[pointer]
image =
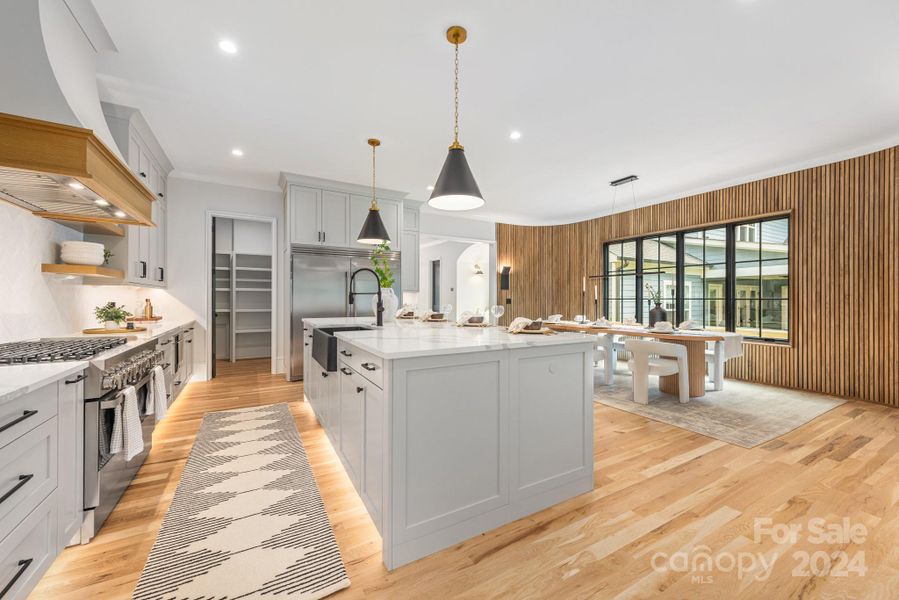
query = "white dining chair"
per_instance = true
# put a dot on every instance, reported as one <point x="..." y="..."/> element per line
<point x="650" y="357"/>
<point x="605" y="352"/>
<point x="714" y="358"/>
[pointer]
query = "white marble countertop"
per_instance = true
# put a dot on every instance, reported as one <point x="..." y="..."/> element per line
<point x="17" y="380"/>
<point x="409" y="339"/>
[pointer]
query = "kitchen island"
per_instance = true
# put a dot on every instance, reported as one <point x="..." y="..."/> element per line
<point x="448" y="432"/>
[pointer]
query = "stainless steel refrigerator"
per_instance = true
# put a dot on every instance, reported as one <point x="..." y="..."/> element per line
<point x="320" y="286"/>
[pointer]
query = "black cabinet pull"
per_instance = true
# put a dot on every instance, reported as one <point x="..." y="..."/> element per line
<point x="368" y="366"/>
<point x="345" y="353"/>
<point x="81" y="377"/>
<point x="143" y="269"/>
<point x="324" y="236"/>
<point x="14" y="422"/>
<point x="359" y="389"/>
<point x="306" y="344"/>
<point x="23" y="566"/>
<point x="166" y="343"/>
<point x="190" y="341"/>
<point x="324" y="374"/>
<point x="345" y="371"/>
<point x="142" y="174"/>
<point x="161" y="273"/>
<point x="23" y="479"/>
<point x="177" y="383"/>
<point x="160" y="194"/>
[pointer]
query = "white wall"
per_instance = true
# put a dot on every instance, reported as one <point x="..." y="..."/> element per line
<point x="33" y="304"/>
<point x="441" y="224"/>
<point x="189" y="201"/>
<point x="473" y="290"/>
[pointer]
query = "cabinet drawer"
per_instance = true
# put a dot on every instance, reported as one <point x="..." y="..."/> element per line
<point x="27" y="474"/>
<point x="366" y="364"/>
<point x="27" y="552"/>
<point x="26" y="412"/>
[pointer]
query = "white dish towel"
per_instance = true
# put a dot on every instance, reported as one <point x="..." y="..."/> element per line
<point x="126" y="430"/>
<point x="158" y="397"/>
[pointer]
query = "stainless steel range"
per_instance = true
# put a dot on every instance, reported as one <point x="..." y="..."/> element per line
<point x="55" y="350"/>
<point x="111" y="369"/>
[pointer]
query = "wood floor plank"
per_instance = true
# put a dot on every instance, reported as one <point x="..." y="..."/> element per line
<point x="658" y="489"/>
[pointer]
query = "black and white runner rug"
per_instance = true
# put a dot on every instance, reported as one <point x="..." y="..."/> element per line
<point x="247" y="520"/>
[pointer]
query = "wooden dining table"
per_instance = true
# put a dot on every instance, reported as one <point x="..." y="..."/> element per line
<point x="695" y="342"/>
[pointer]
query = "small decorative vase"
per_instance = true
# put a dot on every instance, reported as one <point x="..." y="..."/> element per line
<point x="657" y="314"/>
<point x="391" y="304"/>
<point x="111" y="325"/>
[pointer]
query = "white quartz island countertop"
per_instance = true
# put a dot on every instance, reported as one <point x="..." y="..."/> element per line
<point x="408" y="339"/>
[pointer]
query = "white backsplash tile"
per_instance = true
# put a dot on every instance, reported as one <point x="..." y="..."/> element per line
<point x="33" y="304"/>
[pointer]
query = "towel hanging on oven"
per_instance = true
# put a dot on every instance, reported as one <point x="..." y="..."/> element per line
<point x="158" y="398"/>
<point x="126" y="431"/>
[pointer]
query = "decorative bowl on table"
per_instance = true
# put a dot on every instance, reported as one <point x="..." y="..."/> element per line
<point x="534" y="326"/>
<point x="475" y="320"/>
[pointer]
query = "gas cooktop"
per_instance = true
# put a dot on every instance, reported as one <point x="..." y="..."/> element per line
<point x="56" y="350"/>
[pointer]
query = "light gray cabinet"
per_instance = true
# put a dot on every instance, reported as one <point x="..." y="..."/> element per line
<point x="372" y="456"/>
<point x="70" y="486"/>
<point x="305" y="221"/>
<point x="41" y="460"/>
<point x="410" y="261"/>
<point x="318" y="217"/>
<point x="352" y="421"/>
<point x="141" y="253"/>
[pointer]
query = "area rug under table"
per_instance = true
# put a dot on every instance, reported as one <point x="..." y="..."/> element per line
<point x="247" y="519"/>
<point x="743" y="414"/>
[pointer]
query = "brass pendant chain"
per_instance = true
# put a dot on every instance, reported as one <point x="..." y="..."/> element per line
<point x="374" y="203"/>
<point x="456" y="143"/>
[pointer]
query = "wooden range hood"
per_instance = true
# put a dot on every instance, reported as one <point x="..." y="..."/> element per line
<point x="43" y="163"/>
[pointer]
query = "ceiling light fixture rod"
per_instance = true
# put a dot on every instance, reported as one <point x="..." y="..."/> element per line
<point x="374" y="143"/>
<point x="623" y="180"/>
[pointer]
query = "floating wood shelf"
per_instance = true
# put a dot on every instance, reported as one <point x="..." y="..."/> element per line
<point x="82" y="271"/>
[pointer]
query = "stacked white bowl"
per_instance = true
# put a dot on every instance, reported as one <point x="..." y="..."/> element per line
<point x="82" y="253"/>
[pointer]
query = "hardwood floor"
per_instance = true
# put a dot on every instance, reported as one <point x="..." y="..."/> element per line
<point x="659" y="489"/>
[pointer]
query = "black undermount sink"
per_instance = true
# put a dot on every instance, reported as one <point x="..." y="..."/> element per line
<point x="324" y="344"/>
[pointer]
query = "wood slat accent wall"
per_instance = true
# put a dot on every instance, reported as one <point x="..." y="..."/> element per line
<point x="844" y="253"/>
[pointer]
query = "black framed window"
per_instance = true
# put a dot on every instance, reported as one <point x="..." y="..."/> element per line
<point x="621" y="292"/>
<point x="732" y="277"/>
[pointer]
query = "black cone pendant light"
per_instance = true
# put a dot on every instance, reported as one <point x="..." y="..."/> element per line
<point x="456" y="188"/>
<point x="373" y="230"/>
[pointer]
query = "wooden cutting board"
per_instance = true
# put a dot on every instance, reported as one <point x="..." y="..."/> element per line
<point x="102" y="330"/>
<point x="143" y="319"/>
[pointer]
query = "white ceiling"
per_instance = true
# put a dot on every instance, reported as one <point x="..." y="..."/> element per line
<point x="688" y="95"/>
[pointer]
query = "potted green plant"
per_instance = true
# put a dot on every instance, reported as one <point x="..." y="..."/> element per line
<point x="386" y="280"/>
<point x="111" y="316"/>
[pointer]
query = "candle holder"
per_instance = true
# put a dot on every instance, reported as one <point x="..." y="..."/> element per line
<point x="596" y="309"/>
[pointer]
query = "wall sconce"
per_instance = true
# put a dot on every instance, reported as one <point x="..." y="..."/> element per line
<point x="477" y="269"/>
<point x="504" y="278"/>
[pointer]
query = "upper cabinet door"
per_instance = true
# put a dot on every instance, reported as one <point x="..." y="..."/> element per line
<point x="134" y="153"/>
<point x="390" y="215"/>
<point x="410" y="219"/>
<point x="409" y="264"/>
<point x="159" y="272"/>
<point x="335" y="208"/>
<point x="358" y="211"/>
<point x="305" y="216"/>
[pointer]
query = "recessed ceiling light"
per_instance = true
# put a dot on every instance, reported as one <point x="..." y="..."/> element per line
<point x="237" y="152"/>
<point x="515" y="135"/>
<point x="228" y="47"/>
<point x="101" y="202"/>
<point x="75" y="185"/>
<point x="430" y="188"/>
<point x="120" y="214"/>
